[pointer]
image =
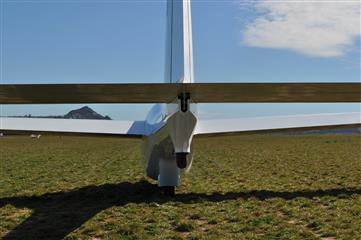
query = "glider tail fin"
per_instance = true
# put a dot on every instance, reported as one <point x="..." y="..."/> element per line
<point x="179" y="52"/>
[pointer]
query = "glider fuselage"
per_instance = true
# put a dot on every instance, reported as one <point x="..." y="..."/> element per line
<point x="170" y="127"/>
<point x="170" y="132"/>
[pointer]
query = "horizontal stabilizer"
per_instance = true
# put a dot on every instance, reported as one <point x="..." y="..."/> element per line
<point x="278" y="124"/>
<point x="72" y="126"/>
<point x="166" y="93"/>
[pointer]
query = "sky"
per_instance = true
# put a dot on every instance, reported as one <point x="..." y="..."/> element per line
<point x="114" y="41"/>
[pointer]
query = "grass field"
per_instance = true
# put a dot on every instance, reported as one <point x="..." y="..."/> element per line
<point x="244" y="187"/>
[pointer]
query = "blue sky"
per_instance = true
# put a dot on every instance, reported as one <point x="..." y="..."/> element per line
<point x="124" y="41"/>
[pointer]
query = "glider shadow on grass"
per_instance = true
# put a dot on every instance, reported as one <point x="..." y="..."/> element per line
<point x="55" y="215"/>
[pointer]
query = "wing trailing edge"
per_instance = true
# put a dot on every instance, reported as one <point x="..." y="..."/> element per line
<point x="72" y="126"/>
<point x="278" y="124"/>
<point x="203" y="128"/>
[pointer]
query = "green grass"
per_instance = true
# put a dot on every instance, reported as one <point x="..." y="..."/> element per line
<point x="244" y="187"/>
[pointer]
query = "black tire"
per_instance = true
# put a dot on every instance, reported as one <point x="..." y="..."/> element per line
<point x="181" y="159"/>
<point x="169" y="191"/>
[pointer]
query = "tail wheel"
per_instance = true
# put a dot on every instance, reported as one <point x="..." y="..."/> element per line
<point x="169" y="191"/>
<point x="181" y="159"/>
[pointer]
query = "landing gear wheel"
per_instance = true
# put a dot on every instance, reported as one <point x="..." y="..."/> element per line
<point x="181" y="160"/>
<point x="169" y="191"/>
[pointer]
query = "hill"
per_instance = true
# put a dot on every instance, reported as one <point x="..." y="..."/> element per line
<point x="85" y="113"/>
<point x="81" y="113"/>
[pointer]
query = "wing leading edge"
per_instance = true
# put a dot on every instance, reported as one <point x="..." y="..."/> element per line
<point x="277" y="124"/>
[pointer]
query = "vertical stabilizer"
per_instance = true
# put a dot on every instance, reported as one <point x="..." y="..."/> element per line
<point x="179" y="53"/>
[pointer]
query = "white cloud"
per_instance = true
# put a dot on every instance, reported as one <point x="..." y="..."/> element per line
<point x="315" y="28"/>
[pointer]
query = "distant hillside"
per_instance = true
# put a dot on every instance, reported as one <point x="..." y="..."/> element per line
<point x="81" y="113"/>
<point x="85" y="113"/>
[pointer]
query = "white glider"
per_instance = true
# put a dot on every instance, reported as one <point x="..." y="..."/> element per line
<point x="170" y="126"/>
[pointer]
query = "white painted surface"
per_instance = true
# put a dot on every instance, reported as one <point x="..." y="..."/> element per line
<point x="72" y="126"/>
<point x="274" y="123"/>
<point x="169" y="173"/>
<point x="181" y="129"/>
<point x="179" y="50"/>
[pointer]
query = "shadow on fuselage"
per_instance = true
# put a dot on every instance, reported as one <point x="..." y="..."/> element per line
<point x="55" y="215"/>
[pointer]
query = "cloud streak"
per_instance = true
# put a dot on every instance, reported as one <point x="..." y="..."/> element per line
<point x="314" y="28"/>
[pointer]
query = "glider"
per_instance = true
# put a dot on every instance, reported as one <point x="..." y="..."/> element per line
<point x="170" y="126"/>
